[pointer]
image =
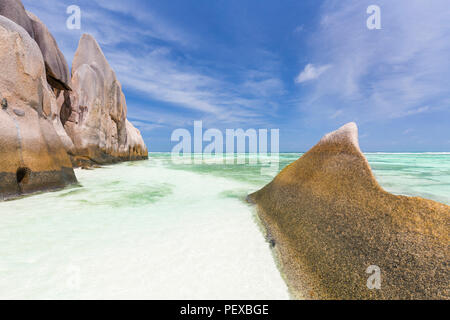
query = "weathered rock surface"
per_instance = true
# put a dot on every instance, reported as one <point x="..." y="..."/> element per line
<point x="95" y="112"/>
<point x="330" y="220"/>
<point x="15" y="11"/>
<point x="58" y="73"/>
<point x="57" y="69"/>
<point x="32" y="156"/>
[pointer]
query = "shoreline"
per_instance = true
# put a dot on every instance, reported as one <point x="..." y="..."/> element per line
<point x="74" y="184"/>
<point x="298" y="290"/>
<point x="99" y="196"/>
<point x="146" y="218"/>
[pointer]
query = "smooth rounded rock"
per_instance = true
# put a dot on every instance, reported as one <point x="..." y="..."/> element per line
<point x="32" y="156"/>
<point x="97" y="121"/>
<point x="57" y="69"/>
<point x="58" y="73"/>
<point x="15" y="11"/>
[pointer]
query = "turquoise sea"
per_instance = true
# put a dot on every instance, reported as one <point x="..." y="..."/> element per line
<point x="164" y="229"/>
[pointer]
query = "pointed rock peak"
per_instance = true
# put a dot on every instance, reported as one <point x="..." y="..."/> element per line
<point x="347" y="134"/>
<point x="327" y="206"/>
<point x="88" y="43"/>
<point x="89" y="39"/>
<point x="32" y="16"/>
<point x="89" y="52"/>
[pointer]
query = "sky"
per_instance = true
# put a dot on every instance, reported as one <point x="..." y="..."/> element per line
<point x="305" y="67"/>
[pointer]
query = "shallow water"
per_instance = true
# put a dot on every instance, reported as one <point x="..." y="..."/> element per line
<point x="426" y="175"/>
<point x="162" y="230"/>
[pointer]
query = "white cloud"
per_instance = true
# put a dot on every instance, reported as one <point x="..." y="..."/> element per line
<point x="159" y="77"/>
<point x="410" y="112"/>
<point x="379" y="74"/>
<point x="311" y="72"/>
<point x="156" y="69"/>
<point x="408" y="131"/>
<point x="336" y="114"/>
<point x="265" y="87"/>
<point x="144" y="126"/>
<point x="149" y="21"/>
<point x="299" y="28"/>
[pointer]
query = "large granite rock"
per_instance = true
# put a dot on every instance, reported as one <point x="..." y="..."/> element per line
<point x="58" y="75"/>
<point x="32" y="156"/>
<point x="96" y="121"/>
<point x="329" y="220"/>
<point x="14" y="10"/>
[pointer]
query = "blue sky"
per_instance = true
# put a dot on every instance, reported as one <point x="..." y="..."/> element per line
<point x="305" y="67"/>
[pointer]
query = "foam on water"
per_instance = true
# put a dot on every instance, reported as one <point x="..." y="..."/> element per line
<point x="159" y="230"/>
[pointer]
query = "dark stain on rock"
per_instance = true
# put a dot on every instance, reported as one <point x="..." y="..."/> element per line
<point x="4" y="104"/>
<point x="272" y="243"/>
<point x="19" y="112"/>
<point x="22" y="175"/>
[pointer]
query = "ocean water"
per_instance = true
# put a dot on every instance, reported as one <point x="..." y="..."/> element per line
<point x="161" y="229"/>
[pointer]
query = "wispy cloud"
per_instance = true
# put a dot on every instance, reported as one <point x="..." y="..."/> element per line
<point x="408" y="131"/>
<point x="160" y="77"/>
<point x="299" y="28"/>
<point x="311" y="72"/>
<point x="410" y="112"/>
<point x="379" y="74"/>
<point x="148" y="21"/>
<point x="314" y="67"/>
<point x="151" y="57"/>
<point x="145" y="126"/>
<point x="336" y="114"/>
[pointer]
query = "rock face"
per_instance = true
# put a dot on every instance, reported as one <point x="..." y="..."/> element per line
<point x="330" y="220"/>
<point x="14" y="11"/>
<point x="94" y="113"/>
<point x="32" y="156"/>
<point x="58" y="75"/>
<point x="39" y="132"/>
